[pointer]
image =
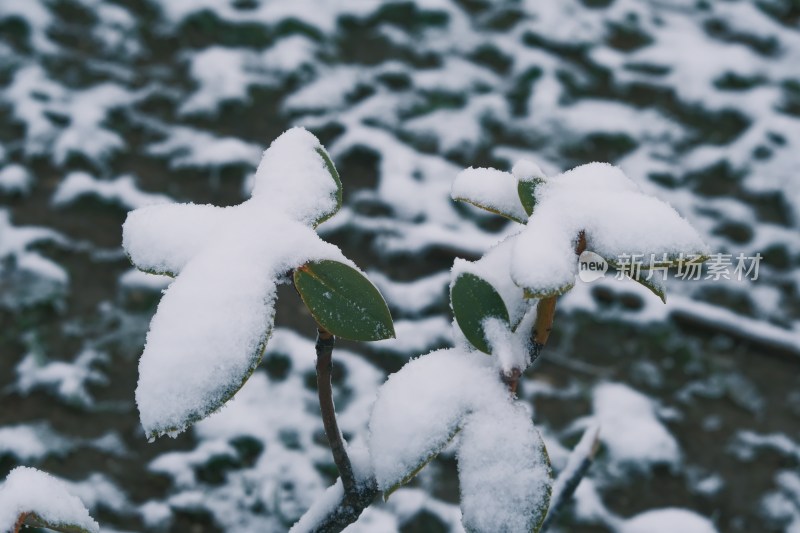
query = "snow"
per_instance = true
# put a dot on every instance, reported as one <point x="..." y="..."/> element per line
<point x="163" y="238"/>
<point x="223" y="73"/>
<point x="194" y="148"/>
<point x="219" y="73"/>
<point x="280" y="414"/>
<point x="294" y="178"/>
<point x="322" y="507"/>
<point x="35" y="98"/>
<point x="416" y="336"/>
<point x="667" y="521"/>
<point x="15" y="243"/>
<point x="215" y="319"/>
<point x="585" y="449"/>
<point x="631" y="431"/>
<point x="424" y="405"/>
<point x="328" y="91"/>
<point x="616" y="218"/>
<point x="747" y="443"/>
<point x="456" y="130"/>
<point x="68" y="381"/>
<point x="136" y="279"/>
<point x="503" y="470"/>
<point x="37" y="18"/>
<point x="525" y="170"/>
<point x="781" y="506"/>
<point x="32" y="442"/>
<point x="155" y="515"/>
<point x="511" y="347"/>
<point x="420" y="408"/>
<point x="405" y="503"/>
<point x="490" y="189"/>
<point x="122" y="191"/>
<point x="412" y="298"/>
<point x="15" y="179"/>
<point x="27" y="490"/>
<point x="567" y="103"/>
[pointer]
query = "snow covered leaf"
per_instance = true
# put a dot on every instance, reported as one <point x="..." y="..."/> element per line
<point x="421" y="407"/>
<point x="474" y="300"/>
<point x="38" y="499"/>
<point x="161" y="239"/>
<point x="296" y="170"/>
<point x="214" y="320"/>
<point x="331" y="168"/>
<point x="503" y="469"/>
<point x="529" y="176"/>
<point x="343" y="301"/>
<point x="616" y="218"/>
<point x="490" y="189"/>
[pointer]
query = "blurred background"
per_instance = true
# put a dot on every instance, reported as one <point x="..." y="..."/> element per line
<point x="106" y="106"/>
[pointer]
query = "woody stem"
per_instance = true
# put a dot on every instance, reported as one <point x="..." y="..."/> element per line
<point x="324" y="348"/>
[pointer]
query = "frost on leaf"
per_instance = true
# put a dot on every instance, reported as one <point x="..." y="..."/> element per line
<point x="213" y="321"/>
<point x="36" y="499"/>
<point x="615" y="217"/>
<point x="503" y="470"/>
<point x="420" y="408"/>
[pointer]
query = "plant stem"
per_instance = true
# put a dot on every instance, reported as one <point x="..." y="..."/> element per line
<point x="20" y="522"/>
<point x="324" y="348"/>
<point x="335" y="517"/>
<point x="546" y="309"/>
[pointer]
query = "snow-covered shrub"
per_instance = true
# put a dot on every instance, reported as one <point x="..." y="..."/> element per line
<point x="503" y="305"/>
<point x="215" y="319"/>
<point x="213" y="322"/>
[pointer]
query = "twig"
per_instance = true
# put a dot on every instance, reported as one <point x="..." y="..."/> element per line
<point x="340" y="514"/>
<point x="576" y="469"/>
<point x="324" y="348"/>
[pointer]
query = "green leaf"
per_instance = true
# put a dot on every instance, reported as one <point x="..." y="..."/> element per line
<point x="526" y="191"/>
<point x="335" y="175"/>
<point x="474" y="299"/>
<point x="343" y="301"/>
